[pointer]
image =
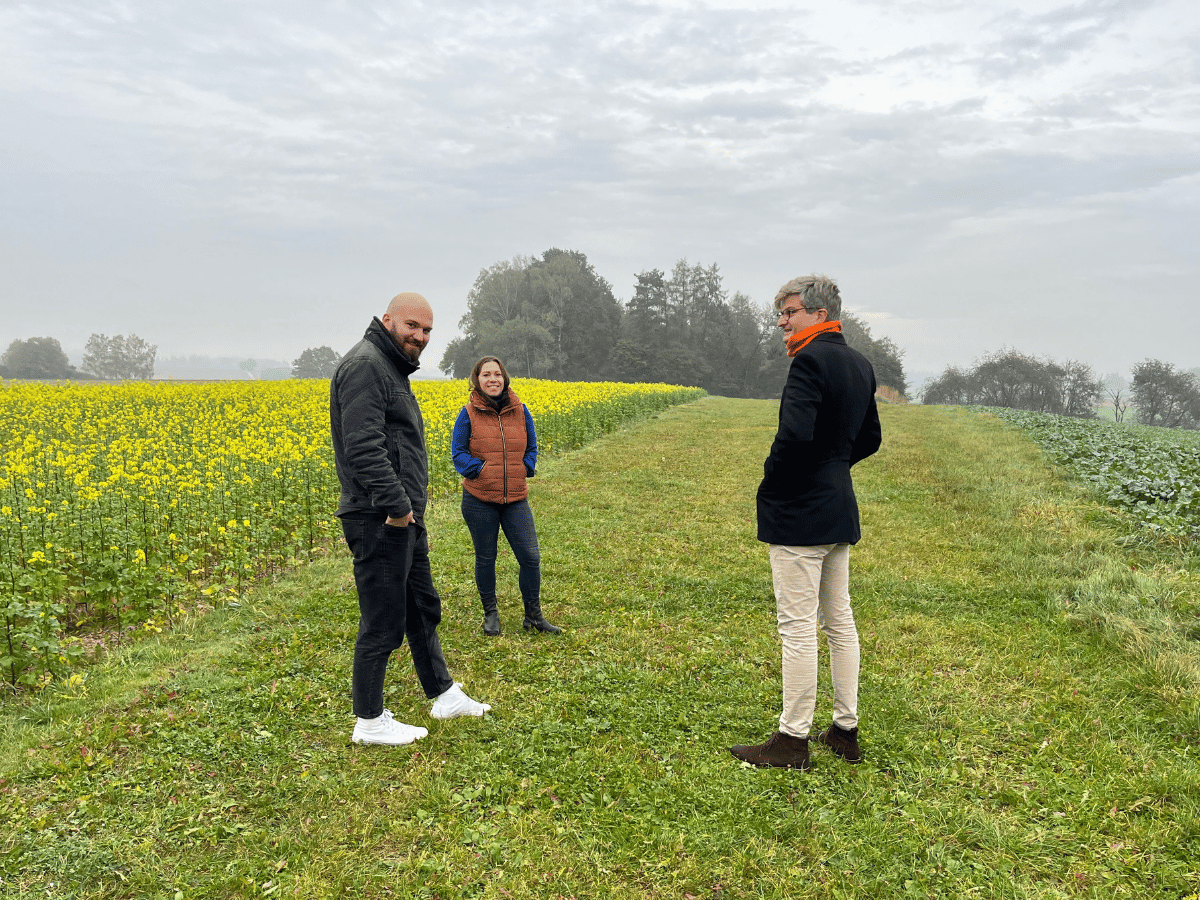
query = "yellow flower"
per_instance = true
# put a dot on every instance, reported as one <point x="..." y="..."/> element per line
<point x="148" y="469"/>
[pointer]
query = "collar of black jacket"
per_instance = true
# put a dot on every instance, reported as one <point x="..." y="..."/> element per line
<point x="379" y="336"/>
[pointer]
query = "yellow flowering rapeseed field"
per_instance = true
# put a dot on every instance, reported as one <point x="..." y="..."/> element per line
<point x="123" y="505"/>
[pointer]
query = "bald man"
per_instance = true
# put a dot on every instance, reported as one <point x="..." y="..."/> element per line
<point x="379" y="450"/>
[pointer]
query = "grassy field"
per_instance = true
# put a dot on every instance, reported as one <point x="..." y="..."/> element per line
<point x="1018" y="744"/>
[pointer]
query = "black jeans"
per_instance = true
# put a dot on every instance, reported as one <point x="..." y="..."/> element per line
<point x="484" y="521"/>
<point x="396" y="597"/>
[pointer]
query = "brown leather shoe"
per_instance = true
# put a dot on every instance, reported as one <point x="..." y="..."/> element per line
<point x="842" y="742"/>
<point x="781" y="751"/>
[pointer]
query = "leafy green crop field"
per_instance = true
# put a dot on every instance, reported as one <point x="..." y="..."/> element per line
<point x="1029" y="699"/>
<point x="1152" y="473"/>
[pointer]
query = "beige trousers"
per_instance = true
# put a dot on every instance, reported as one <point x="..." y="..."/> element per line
<point x="812" y="585"/>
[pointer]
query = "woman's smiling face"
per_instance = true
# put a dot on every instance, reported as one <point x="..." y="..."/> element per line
<point x="491" y="379"/>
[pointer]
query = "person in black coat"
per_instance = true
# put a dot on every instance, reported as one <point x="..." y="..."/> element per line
<point x="808" y="515"/>
<point x="383" y="467"/>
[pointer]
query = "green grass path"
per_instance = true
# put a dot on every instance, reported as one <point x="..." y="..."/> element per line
<point x="1011" y="749"/>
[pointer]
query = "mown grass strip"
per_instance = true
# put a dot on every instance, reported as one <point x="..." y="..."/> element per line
<point x="1011" y="751"/>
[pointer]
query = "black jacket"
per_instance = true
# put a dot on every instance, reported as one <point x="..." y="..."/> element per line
<point x="378" y="432"/>
<point x="828" y="421"/>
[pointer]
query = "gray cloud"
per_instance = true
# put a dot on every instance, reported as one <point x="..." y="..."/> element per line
<point x="1031" y="43"/>
<point x="182" y="168"/>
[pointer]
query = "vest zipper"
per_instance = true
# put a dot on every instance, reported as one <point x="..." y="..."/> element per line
<point x="503" y="456"/>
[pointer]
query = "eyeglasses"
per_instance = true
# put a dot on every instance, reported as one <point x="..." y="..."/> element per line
<point x="788" y="313"/>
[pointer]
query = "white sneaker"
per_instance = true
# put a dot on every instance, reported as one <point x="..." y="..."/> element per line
<point x="455" y="703"/>
<point x="386" y="730"/>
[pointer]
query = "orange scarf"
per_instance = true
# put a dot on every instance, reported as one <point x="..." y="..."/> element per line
<point x="798" y="342"/>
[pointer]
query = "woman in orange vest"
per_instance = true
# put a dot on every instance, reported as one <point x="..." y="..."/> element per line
<point x="494" y="447"/>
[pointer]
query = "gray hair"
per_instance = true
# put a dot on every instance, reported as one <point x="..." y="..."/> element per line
<point x="814" y="292"/>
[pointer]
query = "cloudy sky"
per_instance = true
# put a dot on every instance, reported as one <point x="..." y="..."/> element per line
<point x="254" y="178"/>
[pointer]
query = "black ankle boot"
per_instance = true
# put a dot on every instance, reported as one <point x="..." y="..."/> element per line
<point x="541" y="625"/>
<point x="491" y="618"/>
<point x="534" y="619"/>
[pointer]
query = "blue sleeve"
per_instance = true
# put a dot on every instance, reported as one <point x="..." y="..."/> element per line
<point x="531" y="446"/>
<point x="460" y="440"/>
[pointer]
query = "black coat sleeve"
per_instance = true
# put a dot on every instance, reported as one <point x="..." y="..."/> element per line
<point x="362" y="400"/>
<point x="870" y="436"/>
<point x="793" y="444"/>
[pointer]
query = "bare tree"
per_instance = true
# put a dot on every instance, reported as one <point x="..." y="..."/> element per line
<point x="1115" y="388"/>
<point x="1120" y="404"/>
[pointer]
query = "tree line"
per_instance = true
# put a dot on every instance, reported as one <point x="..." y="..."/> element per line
<point x="1159" y="393"/>
<point x="122" y="358"/>
<point x="555" y="317"/>
<point x="111" y="358"/>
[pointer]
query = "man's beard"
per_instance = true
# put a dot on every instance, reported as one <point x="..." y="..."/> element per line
<point x="412" y="349"/>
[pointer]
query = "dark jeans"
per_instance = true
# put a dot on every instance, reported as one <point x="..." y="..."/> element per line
<point x="396" y="597"/>
<point x="484" y="520"/>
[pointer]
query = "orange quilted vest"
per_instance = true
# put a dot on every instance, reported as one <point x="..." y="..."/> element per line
<point x="499" y="439"/>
